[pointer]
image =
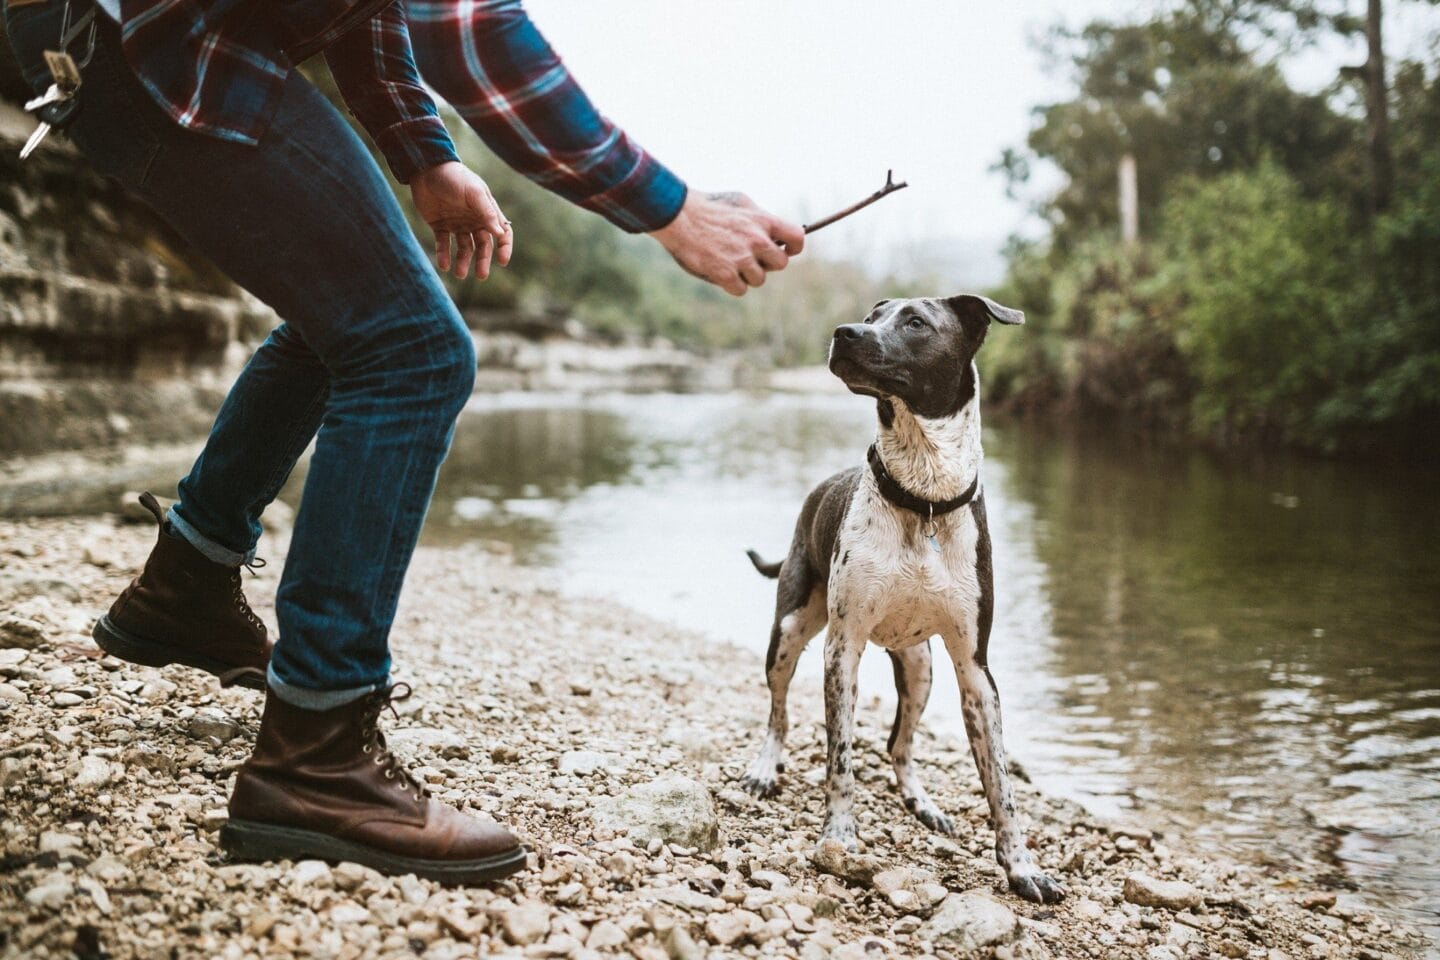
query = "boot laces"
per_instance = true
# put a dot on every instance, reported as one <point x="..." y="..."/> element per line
<point x="375" y="745"/>
<point x="241" y="603"/>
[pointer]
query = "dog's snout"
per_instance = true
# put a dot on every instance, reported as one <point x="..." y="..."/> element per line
<point x="851" y="331"/>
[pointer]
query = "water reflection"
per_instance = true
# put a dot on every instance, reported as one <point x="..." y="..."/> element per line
<point x="1262" y="643"/>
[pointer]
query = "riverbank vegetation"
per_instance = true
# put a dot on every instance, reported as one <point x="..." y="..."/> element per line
<point x="1274" y="274"/>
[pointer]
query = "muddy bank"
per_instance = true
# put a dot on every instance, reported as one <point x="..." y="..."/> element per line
<point x="611" y="742"/>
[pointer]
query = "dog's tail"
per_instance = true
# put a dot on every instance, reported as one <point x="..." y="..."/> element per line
<point x="771" y="570"/>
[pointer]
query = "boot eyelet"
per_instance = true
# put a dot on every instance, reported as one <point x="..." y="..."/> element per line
<point x="365" y="749"/>
<point x="389" y="774"/>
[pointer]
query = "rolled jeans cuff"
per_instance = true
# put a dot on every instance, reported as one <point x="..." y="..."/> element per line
<point x="208" y="548"/>
<point x="307" y="699"/>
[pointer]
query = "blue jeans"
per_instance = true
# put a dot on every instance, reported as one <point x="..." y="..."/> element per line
<point x="371" y="353"/>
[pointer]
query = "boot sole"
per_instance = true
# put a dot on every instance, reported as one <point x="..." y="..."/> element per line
<point x="155" y="653"/>
<point x="249" y="840"/>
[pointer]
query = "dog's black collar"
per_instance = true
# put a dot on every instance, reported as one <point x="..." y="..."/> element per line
<point x="929" y="509"/>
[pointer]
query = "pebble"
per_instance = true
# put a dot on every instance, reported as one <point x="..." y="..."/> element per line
<point x="22" y="633"/>
<point x="673" y="809"/>
<point x="910" y="889"/>
<point x="1146" y="891"/>
<point x="606" y="934"/>
<point x="831" y="857"/>
<point x="967" y="924"/>
<point x="310" y="873"/>
<point x="727" y="929"/>
<point x="94" y="772"/>
<point x="63" y="844"/>
<point x="210" y="723"/>
<point x="584" y="763"/>
<point x="526" y="924"/>
<point x="51" y="892"/>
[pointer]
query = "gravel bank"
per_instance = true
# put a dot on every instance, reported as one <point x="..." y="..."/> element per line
<point x="612" y="743"/>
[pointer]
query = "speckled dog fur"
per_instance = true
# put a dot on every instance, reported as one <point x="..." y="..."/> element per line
<point x="877" y="573"/>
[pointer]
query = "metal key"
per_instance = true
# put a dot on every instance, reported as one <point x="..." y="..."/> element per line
<point x="54" y="108"/>
<point x="41" y="132"/>
<point x="49" y="96"/>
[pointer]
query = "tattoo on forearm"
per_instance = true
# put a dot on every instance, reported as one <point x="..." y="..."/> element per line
<point x="728" y="196"/>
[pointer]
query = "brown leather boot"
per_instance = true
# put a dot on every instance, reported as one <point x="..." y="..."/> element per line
<point x="323" y="785"/>
<point x="185" y="608"/>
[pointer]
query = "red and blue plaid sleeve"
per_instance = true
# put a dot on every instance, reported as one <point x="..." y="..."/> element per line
<point x="375" y="71"/>
<point x="491" y="64"/>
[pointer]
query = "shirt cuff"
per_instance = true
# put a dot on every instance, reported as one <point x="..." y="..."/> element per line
<point x="646" y="200"/>
<point x="412" y="146"/>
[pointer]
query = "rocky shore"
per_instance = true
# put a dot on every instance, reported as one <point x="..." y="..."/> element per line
<point x="612" y="743"/>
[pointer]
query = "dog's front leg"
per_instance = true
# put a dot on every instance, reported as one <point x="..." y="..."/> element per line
<point x="980" y="703"/>
<point x="843" y="646"/>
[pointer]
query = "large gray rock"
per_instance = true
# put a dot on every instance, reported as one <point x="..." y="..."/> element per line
<point x="1146" y="891"/>
<point x="21" y="632"/>
<point x="672" y="810"/>
<point x="971" y="924"/>
<point x="211" y="722"/>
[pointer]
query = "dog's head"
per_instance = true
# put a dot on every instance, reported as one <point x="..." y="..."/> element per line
<point x="917" y="351"/>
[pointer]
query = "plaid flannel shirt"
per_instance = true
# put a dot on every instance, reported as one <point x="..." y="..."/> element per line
<point x="489" y="62"/>
<point x="218" y="68"/>
<point x="484" y="56"/>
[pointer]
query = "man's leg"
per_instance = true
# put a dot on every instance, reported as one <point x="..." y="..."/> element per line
<point x="270" y="416"/>
<point x="307" y="223"/>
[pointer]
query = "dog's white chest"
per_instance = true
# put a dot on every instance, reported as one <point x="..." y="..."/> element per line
<point x="906" y="588"/>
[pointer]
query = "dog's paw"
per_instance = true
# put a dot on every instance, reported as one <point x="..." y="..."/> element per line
<point x="929" y="814"/>
<point x="842" y="830"/>
<point x="762" y="787"/>
<point x="1033" y="885"/>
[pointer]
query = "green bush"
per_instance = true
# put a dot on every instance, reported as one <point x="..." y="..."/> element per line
<point x="1274" y="288"/>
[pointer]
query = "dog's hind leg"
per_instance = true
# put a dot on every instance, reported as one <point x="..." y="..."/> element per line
<point x="799" y="615"/>
<point x="912" y="688"/>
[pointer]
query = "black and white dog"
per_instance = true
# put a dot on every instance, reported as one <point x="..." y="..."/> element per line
<point x="895" y="553"/>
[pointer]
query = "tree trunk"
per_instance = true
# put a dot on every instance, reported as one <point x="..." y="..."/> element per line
<point x="1377" y="113"/>
<point x="1129" y="201"/>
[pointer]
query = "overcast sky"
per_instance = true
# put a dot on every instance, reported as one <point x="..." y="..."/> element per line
<point x="803" y="104"/>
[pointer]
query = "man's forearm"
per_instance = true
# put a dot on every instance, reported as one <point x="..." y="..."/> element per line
<point x="496" y="69"/>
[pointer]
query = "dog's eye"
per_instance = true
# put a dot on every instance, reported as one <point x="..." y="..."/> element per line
<point x="915" y="323"/>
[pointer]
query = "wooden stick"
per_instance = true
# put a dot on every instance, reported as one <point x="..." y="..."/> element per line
<point x="890" y="187"/>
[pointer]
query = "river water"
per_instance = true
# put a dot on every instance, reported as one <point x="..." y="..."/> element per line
<point x="1245" y="653"/>
<point x="1249" y="653"/>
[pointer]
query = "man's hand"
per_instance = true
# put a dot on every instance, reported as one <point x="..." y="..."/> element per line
<point x="461" y="211"/>
<point x="728" y="240"/>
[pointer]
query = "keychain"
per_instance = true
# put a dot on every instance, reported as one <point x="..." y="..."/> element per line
<point x="56" y="107"/>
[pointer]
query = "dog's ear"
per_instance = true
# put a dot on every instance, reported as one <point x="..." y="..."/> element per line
<point x="878" y="305"/>
<point x="992" y="310"/>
